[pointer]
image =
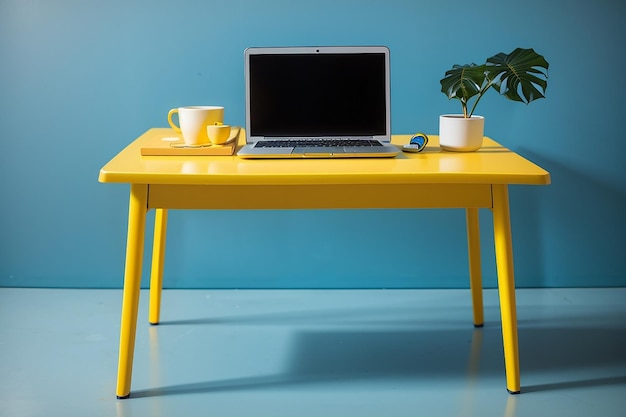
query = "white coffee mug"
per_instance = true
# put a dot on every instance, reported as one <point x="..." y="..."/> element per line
<point x="193" y="122"/>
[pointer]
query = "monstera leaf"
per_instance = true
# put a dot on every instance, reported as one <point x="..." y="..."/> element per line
<point x="519" y="76"/>
<point x="463" y="82"/>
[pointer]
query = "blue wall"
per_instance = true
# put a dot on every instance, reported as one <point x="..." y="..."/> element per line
<point x="79" y="80"/>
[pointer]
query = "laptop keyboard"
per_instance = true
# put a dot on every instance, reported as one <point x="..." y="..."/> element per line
<point x="316" y="143"/>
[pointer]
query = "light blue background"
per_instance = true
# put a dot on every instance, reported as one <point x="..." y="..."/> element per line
<point x="79" y="80"/>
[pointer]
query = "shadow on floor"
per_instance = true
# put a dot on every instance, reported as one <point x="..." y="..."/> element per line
<point x="319" y="356"/>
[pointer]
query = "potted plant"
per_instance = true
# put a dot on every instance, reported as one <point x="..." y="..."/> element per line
<point x="520" y="76"/>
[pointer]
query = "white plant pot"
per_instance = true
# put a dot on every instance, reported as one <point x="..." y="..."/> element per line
<point x="460" y="134"/>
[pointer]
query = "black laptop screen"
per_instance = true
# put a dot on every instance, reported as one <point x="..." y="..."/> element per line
<point x="317" y="94"/>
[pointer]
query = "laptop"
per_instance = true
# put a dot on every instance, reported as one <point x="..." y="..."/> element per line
<point x="317" y="102"/>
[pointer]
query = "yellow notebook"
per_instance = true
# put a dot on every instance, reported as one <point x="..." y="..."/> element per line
<point x="174" y="146"/>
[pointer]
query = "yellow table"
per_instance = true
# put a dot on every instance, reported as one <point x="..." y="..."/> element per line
<point x="431" y="179"/>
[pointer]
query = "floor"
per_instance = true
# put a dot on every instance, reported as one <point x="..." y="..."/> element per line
<point x="313" y="353"/>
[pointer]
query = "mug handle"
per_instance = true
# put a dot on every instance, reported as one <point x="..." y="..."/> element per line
<point x="171" y="122"/>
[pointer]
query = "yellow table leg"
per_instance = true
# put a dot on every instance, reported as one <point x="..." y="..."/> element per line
<point x="132" y="284"/>
<point x="158" y="259"/>
<point x="506" y="285"/>
<point x="475" y="269"/>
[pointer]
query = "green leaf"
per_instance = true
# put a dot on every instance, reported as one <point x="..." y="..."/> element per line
<point x="463" y="82"/>
<point x="520" y="76"/>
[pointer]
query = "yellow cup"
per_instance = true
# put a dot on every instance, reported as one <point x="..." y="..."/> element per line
<point x="218" y="133"/>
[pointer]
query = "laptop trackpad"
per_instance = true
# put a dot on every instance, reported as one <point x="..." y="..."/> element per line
<point x="319" y="150"/>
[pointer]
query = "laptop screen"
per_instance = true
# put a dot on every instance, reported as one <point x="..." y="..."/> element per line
<point x="317" y="92"/>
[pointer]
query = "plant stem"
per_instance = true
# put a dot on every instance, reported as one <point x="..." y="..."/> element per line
<point x="480" y="95"/>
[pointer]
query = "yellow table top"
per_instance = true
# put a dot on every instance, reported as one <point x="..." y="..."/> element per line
<point x="492" y="164"/>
